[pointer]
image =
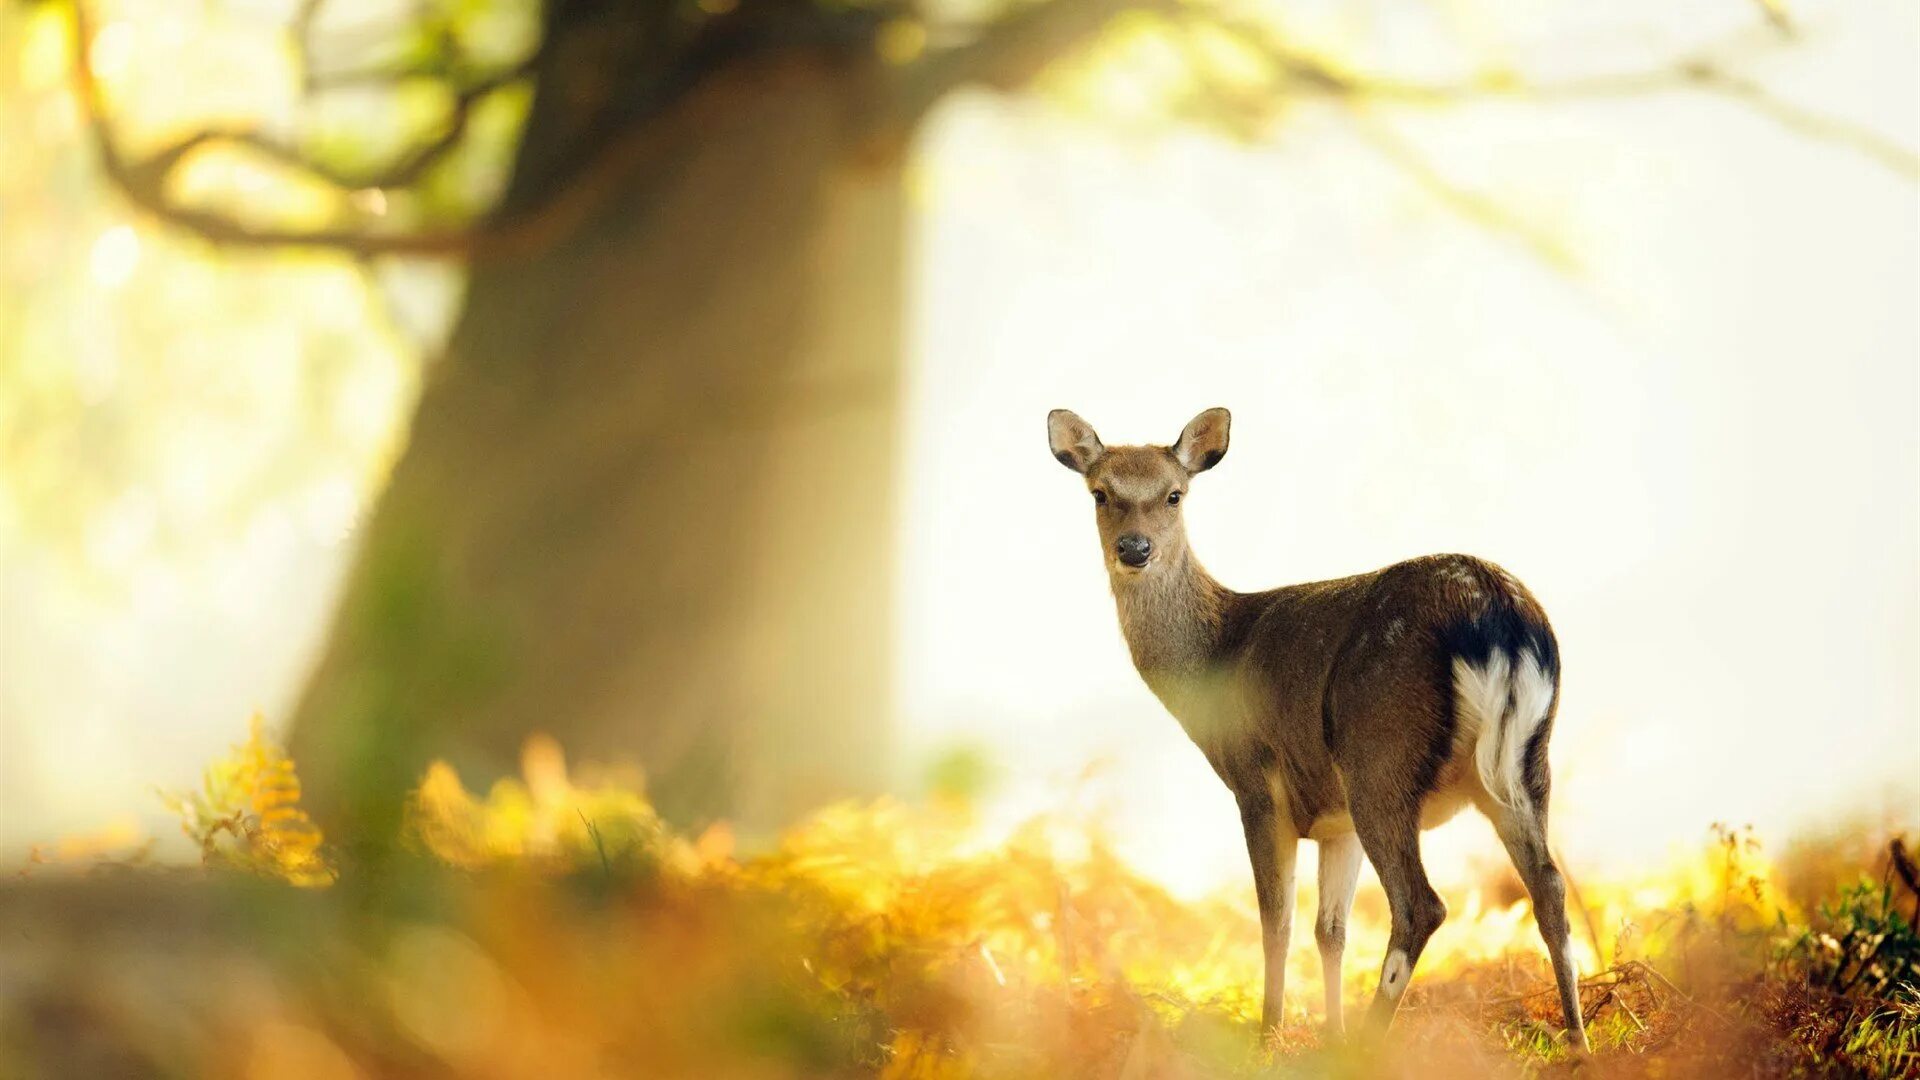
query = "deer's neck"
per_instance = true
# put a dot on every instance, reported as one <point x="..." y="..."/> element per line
<point x="1173" y="620"/>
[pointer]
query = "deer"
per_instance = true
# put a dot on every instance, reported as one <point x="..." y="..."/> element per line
<point x="1354" y="712"/>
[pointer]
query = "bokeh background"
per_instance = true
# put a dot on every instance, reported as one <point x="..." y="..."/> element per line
<point x="1626" y="304"/>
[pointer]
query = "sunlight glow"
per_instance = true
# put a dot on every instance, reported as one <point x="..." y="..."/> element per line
<point x="111" y="49"/>
<point x="1648" y="442"/>
<point x="115" y="253"/>
<point x="1716" y="406"/>
<point x="44" y="48"/>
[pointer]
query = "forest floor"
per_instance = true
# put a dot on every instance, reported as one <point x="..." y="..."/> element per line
<point x="555" y="927"/>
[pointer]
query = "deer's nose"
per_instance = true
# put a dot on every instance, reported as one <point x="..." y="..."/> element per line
<point x="1133" y="549"/>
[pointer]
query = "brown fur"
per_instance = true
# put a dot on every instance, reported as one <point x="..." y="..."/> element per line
<point x="1327" y="708"/>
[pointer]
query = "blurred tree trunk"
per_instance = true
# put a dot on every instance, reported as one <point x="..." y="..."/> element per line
<point x="647" y="500"/>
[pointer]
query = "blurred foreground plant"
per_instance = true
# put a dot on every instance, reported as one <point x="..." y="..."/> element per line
<point x="569" y="931"/>
<point x="544" y="820"/>
<point x="247" y="814"/>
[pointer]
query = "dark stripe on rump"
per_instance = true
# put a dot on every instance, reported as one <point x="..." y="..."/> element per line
<point x="1533" y="766"/>
<point x="1500" y="625"/>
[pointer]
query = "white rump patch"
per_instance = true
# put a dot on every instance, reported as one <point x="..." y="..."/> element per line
<point x="1507" y="703"/>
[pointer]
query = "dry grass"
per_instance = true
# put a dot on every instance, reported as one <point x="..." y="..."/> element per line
<point x="555" y="927"/>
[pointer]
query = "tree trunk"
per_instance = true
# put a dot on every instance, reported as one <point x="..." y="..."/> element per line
<point x="647" y="500"/>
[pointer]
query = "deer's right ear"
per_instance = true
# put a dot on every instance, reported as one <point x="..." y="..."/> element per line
<point x="1073" y="441"/>
<point x="1204" y="442"/>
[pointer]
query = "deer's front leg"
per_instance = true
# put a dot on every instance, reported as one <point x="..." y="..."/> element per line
<point x="1271" y="846"/>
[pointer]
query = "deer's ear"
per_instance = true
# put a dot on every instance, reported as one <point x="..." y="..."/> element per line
<point x="1204" y="442"/>
<point x="1072" y="441"/>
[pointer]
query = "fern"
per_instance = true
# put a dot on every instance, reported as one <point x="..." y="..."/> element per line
<point x="247" y="814"/>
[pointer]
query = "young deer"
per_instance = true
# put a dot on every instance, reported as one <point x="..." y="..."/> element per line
<point x="1352" y="712"/>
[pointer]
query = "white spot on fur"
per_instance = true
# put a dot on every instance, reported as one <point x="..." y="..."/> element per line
<point x="1394" y="628"/>
<point x="1393" y="976"/>
<point x="1506" y="703"/>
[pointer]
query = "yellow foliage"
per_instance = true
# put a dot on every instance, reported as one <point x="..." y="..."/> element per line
<point x="882" y="938"/>
<point x="1049" y="905"/>
<point x="918" y="1056"/>
<point x="122" y="841"/>
<point x="247" y="814"/>
<point x="544" y="821"/>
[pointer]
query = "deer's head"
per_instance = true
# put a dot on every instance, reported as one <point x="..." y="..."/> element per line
<point x="1138" y="491"/>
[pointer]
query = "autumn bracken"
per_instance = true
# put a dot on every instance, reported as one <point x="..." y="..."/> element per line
<point x="573" y="932"/>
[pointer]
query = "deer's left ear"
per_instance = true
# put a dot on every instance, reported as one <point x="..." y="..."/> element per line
<point x="1204" y="442"/>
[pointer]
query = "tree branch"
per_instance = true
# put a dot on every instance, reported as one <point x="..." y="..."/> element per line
<point x="144" y="182"/>
<point x="1472" y="205"/>
<point x="706" y="82"/>
<point x="404" y="170"/>
<point x="1006" y="55"/>
<point x="1805" y="122"/>
<point x="1300" y="72"/>
<point x="1009" y="53"/>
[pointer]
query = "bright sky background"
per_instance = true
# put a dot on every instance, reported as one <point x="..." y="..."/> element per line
<point x="1697" y="444"/>
<point x="1698" y="447"/>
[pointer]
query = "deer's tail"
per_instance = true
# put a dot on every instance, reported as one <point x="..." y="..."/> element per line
<point x="1506" y="679"/>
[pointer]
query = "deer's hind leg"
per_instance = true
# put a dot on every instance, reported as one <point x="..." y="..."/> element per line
<point x="1392" y="740"/>
<point x="1523" y="830"/>
<point x="1390" y="834"/>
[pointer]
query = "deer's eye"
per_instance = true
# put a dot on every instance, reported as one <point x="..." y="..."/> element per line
<point x="1099" y="498"/>
<point x="1173" y="499"/>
